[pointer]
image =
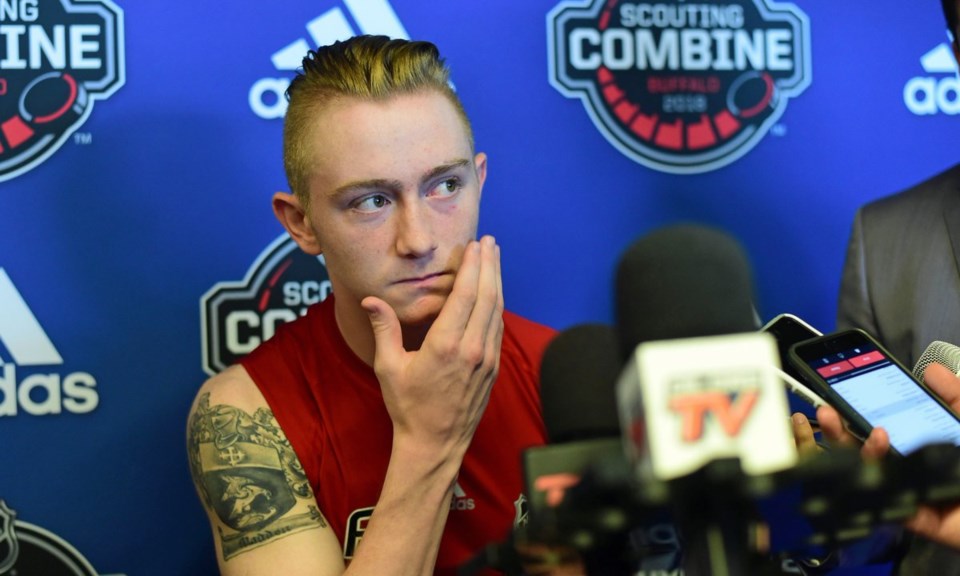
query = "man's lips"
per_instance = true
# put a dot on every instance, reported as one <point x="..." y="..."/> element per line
<point x="427" y="278"/>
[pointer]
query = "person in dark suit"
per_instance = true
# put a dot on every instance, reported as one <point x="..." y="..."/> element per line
<point x="901" y="283"/>
<point x="901" y="279"/>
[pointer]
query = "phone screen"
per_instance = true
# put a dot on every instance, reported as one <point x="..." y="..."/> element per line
<point x="884" y="395"/>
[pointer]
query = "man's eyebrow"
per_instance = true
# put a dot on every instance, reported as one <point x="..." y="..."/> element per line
<point x="394" y="185"/>
<point x="444" y="168"/>
<point x="372" y="184"/>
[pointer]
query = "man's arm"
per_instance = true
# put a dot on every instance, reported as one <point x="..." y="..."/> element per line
<point x="855" y="310"/>
<point x="435" y="397"/>
<point x="261" y="508"/>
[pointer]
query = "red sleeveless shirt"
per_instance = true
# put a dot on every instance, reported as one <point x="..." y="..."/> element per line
<point x="330" y="407"/>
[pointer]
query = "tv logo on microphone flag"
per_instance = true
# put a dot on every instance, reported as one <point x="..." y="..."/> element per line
<point x="725" y="398"/>
<point x="686" y="402"/>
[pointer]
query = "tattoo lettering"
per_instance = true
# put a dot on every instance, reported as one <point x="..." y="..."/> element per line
<point x="248" y="474"/>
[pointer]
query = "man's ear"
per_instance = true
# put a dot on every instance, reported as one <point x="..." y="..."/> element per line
<point x="290" y="213"/>
<point x="480" y="163"/>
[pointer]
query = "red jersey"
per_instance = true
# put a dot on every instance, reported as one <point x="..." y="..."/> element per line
<point x="330" y="407"/>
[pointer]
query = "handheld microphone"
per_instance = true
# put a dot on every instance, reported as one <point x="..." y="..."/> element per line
<point x="577" y="376"/>
<point x="698" y="385"/>
<point x="938" y="352"/>
<point x="701" y="410"/>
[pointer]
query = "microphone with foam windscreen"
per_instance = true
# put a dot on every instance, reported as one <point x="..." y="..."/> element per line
<point x="702" y="413"/>
<point x="577" y="376"/>
<point x="680" y="282"/>
<point x="697" y="385"/>
<point x="578" y="373"/>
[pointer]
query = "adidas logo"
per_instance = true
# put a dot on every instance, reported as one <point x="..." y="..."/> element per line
<point x="266" y="96"/>
<point x="460" y="500"/>
<point x="925" y="95"/>
<point x="24" y="343"/>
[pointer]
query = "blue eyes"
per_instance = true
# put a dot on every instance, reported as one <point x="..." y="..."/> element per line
<point x="377" y="201"/>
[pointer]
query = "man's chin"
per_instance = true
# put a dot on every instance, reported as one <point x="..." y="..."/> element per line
<point x="420" y="313"/>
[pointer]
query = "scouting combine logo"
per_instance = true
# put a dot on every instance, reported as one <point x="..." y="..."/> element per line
<point x="56" y="58"/>
<point x="681" y="87"/>
<point x="235" y="317"/>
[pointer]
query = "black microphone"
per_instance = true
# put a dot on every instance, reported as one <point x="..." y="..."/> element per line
<point x="704" y="416"/>
<point x="578" y="373"/>
<point x="680" y="282"/>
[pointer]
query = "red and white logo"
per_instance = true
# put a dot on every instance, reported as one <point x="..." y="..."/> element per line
<point x="678" y="86"/>
<point x="57" y="57"/>
<point x="237" y="316"/>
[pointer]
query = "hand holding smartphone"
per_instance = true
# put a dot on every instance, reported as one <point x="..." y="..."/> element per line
<point x="870" y="388"/>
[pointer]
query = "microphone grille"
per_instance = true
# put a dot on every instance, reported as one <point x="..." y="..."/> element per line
<point x="941" y="353"/>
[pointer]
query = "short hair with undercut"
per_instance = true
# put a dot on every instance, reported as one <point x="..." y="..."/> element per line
<point x="372" y="68"/>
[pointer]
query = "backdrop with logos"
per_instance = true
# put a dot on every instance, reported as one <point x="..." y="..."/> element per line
<point x="140" y="144"/>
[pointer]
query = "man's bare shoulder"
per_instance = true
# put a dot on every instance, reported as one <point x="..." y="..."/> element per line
<point x="247" y="475"/>
<point x="233" y="386"/>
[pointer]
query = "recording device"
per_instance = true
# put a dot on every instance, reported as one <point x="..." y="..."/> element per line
<point x="702" y="431"/>
<point x="788" y="330"/>
<point x="870" y="388"/>
<point x="942" y="353"/>
<point x="703" y="415"/>
<point x="697" y="384"/>
<point x="577" y="376"/>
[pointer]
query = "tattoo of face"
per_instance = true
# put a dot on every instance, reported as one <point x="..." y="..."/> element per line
<point x="247" y="473"/>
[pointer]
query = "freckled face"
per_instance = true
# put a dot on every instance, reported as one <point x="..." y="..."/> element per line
<point x="395" y="197"/>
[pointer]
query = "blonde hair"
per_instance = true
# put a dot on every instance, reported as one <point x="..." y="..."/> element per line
<point x="366" y="67"/>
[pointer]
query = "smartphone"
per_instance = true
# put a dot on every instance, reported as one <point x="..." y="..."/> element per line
<point x="870" y="388"/>
<point x="788" y="330"/>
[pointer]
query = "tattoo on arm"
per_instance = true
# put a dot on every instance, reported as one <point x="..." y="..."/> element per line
<point x="248" y="474"/>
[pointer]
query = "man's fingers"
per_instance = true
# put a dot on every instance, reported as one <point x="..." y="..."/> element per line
<point x="832" y="425"/>
<point x="456" y="312"/>
<point x="944" y="382"/>
<point x="386" y="332"/>
<point x="877" y="444"/>
<point x="925" y="522"/>
<point x="487" y="310"/>
<point x="803" y="434"/>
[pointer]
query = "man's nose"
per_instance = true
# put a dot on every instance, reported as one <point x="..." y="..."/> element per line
<point x="414" y="230"/>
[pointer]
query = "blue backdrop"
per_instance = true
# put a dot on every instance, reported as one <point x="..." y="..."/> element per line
<point x="158" y="191"/>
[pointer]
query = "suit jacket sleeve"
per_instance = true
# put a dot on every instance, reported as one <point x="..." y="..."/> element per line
<point x="855" y="309"/>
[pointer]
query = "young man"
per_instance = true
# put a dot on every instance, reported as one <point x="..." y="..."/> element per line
<point x="382" y="432"/>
